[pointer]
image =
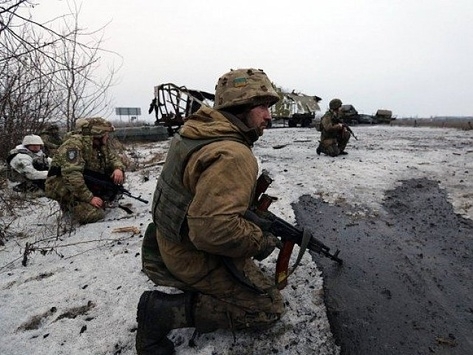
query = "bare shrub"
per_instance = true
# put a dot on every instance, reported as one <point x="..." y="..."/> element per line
<point x="49" y="72"/>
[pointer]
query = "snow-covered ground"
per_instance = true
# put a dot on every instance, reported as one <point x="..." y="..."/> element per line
<point x="79" y="289"/>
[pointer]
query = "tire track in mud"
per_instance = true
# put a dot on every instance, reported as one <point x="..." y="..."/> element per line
<point x="406" y="283"/>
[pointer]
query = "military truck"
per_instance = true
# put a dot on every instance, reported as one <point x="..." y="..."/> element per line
<point x="172" y="104"/>
<point x="383" y="116"/>
<point x="295" y="109"/>
<point x="349" y="114"/>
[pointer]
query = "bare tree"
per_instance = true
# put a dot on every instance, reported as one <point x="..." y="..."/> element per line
<point x="48" y="75"/>
<point x="80" y="55"/>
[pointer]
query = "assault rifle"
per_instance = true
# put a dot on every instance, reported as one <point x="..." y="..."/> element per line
<point x="347" y="127"/>
<point x="103" y="186"/>
<point x="288" y="234"/>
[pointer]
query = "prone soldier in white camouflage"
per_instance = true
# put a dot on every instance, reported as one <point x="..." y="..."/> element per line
<point x="85" y="150"/>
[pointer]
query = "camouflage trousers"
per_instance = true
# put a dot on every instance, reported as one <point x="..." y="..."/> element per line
<point x="237" y="307"/>
<point x="82" y="212"/>
<point x="334" y="146"/>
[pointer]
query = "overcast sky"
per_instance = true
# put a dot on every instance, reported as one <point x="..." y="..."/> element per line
<point x="411" y="56"/>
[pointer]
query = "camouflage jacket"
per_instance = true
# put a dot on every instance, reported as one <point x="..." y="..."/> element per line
<point x="220" y="178"/>
<point x="327" y="125"/>
<point x="77" y="154"/>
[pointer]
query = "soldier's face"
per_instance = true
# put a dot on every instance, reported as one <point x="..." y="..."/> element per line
<point x="259" y="118"/>
<point x="99" y="141"/>
<point x="35" y="148"/>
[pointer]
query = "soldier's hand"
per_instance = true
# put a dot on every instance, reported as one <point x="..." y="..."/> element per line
<point x="96" y="202"/>
<point x="270" y="242"/>
<point x="118" y="177"/>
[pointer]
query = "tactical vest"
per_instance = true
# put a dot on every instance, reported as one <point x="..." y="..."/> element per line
<point x="40" y="163"/>
<point x="171" y="200"/>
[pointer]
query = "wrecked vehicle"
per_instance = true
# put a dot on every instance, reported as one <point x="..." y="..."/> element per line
<point x="172" y="104"/>
<point x="383" y="116"/>
<point x="349" y="114"/>
<point x="366" y="119"/>
<point x="296" y="109"/>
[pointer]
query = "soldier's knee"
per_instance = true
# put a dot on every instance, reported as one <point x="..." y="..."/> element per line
<point x="85" y="213"/>
<point x="263" y="314"/>
<point x="332" y="151"/>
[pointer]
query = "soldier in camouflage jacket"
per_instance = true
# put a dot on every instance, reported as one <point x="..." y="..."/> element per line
<point x="334" y="135"/>
<point x="86" y="150"/>
<point x="206" y="185"/>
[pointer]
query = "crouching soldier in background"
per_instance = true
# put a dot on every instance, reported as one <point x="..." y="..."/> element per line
<point x="334" y="134"/>
<point x="206" y="246"/>
<point x="84" y="152"/>
<point x="28" y="165"/>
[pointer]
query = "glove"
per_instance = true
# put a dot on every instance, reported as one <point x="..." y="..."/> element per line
<point x="270" y="242"/>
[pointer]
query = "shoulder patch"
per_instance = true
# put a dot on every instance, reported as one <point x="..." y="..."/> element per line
<point x="72" y="155"/>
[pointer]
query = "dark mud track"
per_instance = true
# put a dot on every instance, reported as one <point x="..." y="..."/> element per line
<point x="406" y="286"/>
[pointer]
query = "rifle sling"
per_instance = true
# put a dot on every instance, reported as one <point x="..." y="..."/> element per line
<point x="306" y="236"/>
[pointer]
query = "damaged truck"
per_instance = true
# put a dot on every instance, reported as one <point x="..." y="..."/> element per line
<point x="172" y="104"/>
<point x="295" y="109"/>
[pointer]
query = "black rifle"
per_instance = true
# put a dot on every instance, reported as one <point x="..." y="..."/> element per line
<point x="347" y="127"/>
<point x="287" y="232"/>
<point x="289" y="235"/>
<point x="102" y="185"/>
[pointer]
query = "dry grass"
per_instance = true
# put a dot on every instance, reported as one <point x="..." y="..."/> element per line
<point x="460" y="123"/>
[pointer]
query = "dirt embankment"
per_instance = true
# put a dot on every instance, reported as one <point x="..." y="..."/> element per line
<point x="406" y="283"/>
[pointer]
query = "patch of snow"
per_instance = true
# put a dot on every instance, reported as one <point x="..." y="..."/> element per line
<point x="79" y="290"/>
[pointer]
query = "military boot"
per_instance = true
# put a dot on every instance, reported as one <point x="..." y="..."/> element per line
<point x="158" y="314"/>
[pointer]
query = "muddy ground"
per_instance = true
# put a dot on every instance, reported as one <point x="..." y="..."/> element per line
<point x="406" y="283"/>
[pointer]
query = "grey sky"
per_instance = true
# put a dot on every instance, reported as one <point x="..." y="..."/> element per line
<point x="411" y="56"/>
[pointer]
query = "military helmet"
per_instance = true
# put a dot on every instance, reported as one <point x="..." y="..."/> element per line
<point x="335" y="104"/>
<point x="32" y="139"/>
<point x="94" y="126"/>
<point x="244" y="87"/>
<point x="80" y="122"/>
<point x="52" y="127"/>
